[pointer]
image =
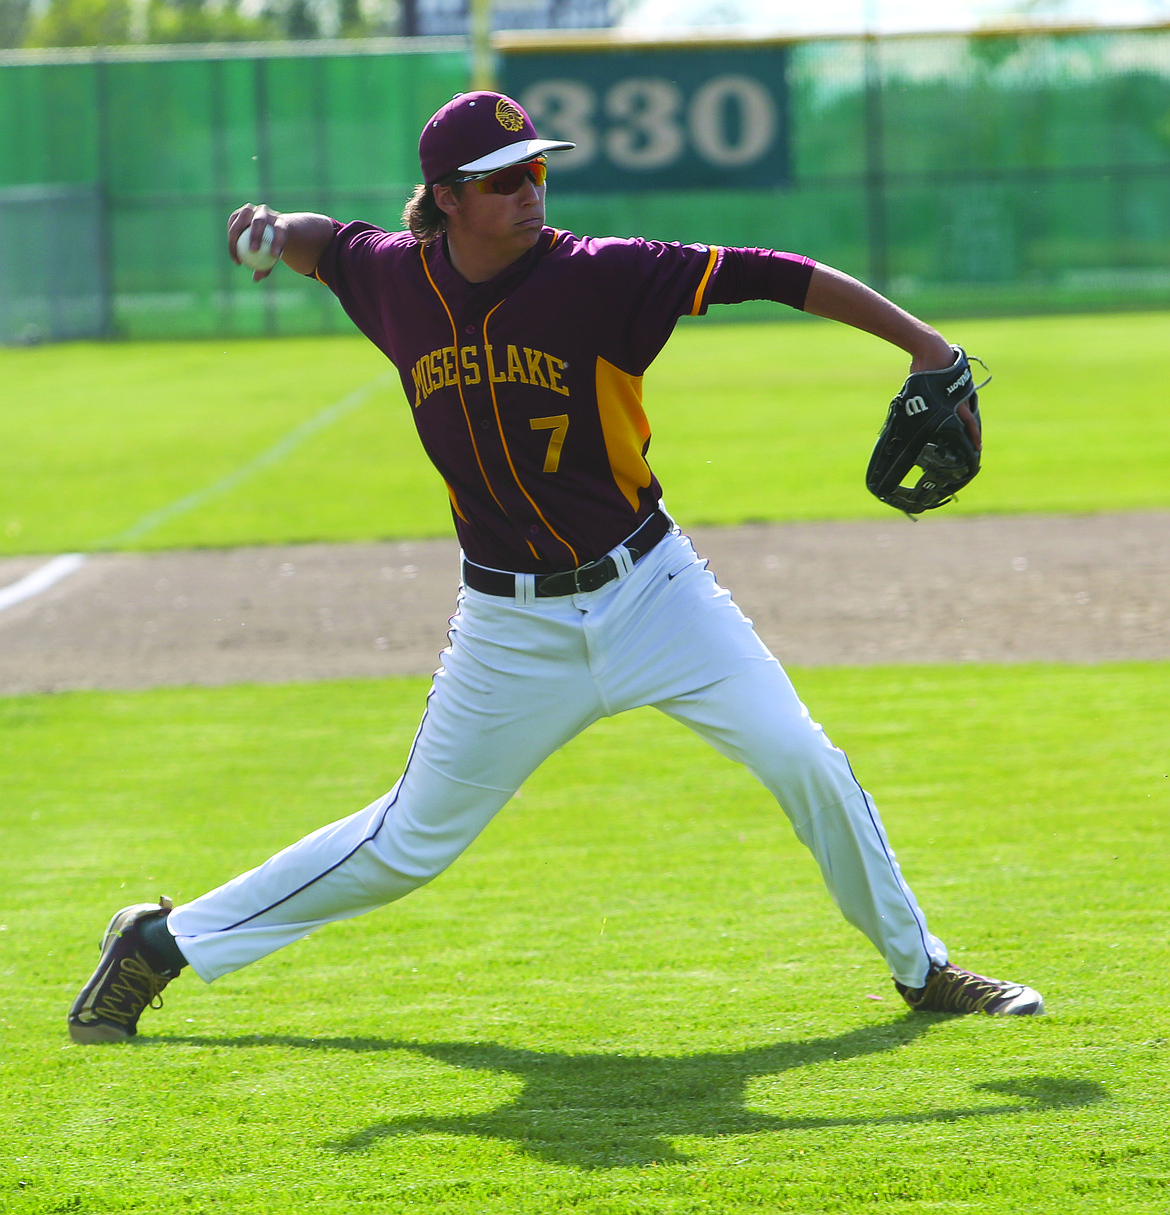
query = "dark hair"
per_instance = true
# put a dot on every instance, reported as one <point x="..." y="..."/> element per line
<point x="423" y="216"/>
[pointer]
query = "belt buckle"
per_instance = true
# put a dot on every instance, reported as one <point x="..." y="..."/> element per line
<point x="591" y="576"/>
<point x="590" y="568"/>
<point x="597" y="574"/>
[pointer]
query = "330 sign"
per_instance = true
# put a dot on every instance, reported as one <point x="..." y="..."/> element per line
<point x="700" y="119"/>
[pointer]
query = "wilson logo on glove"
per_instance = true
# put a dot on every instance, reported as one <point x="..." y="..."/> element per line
<point x="965" y="378"/>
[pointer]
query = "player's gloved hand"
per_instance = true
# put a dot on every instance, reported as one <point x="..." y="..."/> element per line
<point x="932" y="424"/>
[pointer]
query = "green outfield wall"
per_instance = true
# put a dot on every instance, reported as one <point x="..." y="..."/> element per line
<point x="960" y="173"/>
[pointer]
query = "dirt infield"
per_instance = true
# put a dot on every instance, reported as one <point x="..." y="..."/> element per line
<point x="1068" y="589"/>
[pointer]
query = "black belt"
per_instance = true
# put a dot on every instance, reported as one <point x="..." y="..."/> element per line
<point x="589" y="577"/>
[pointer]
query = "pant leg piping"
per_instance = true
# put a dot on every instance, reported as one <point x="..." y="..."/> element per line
<point x="353" y="851"/>
<point x="889" y="859"/>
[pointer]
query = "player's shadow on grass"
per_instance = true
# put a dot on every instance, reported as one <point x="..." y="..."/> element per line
<point x="599" y="1111"/>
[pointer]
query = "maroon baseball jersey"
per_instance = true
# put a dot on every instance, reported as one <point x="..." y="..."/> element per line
<point x="527" y="389"/>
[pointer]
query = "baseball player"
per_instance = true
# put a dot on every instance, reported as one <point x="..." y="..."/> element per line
<point x="521" y="350"/>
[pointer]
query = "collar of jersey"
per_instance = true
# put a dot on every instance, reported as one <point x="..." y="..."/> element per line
<point x="502" y="283"/>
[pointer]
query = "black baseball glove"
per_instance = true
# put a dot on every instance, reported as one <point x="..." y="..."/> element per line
<point x="923" y="430"/>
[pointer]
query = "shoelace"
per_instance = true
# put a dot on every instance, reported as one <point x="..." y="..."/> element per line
<point x="959" y="989"/>
<point x="135" y="988"/>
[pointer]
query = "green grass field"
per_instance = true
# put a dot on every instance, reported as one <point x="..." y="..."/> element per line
<point x="201" y="443"/>
<point x="632" y="995"/>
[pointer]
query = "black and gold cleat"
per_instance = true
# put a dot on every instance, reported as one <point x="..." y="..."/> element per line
<point x="954" y="990"/>
<point x="127" y="981"/>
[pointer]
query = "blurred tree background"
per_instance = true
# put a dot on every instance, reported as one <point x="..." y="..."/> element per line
<point x="66" y="23"/>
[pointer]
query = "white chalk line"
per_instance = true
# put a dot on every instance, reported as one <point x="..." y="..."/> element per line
<point x="266" y="459"/>
<point x="40" y="579"/>
<point x="54" y="571"/>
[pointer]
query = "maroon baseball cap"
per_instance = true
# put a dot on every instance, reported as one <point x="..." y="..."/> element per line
<point x="479" y="133"/>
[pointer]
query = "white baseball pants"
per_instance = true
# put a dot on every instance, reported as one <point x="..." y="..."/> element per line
<point x="521" y="679"/>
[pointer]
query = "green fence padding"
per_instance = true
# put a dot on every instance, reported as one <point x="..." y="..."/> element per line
<point x="958" y="173"/>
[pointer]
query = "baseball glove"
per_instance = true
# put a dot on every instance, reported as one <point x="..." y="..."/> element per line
<point x="923" y="430"/>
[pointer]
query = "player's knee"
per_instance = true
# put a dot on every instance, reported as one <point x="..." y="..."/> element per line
<point x="785" y="750"/>
<point x="804" y="771"/>
<point x="418" y="850"/>
<point x="389" y="873"/>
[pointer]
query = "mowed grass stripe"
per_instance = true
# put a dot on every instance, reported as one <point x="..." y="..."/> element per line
<point x="755" y="421"/>
<point x="631" y="995"/>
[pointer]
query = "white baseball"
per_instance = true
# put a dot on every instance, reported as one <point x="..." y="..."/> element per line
<point x="258" y="259"/>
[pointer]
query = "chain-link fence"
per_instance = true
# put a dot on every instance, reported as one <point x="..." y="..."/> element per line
<point x="976" y="173"/>
<point x="982" y="173"/>
<point x="170" y="142"/>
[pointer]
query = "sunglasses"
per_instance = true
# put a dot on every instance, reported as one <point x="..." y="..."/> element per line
<point x="509" y="180"/>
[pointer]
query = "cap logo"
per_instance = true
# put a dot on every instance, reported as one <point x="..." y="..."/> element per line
<point x="508" y="116"/>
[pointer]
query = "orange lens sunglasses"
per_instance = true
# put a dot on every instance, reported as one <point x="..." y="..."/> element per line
<point x="509" y="180"/>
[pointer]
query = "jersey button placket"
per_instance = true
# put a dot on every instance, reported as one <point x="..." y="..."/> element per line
<point x="485" y="422"/>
